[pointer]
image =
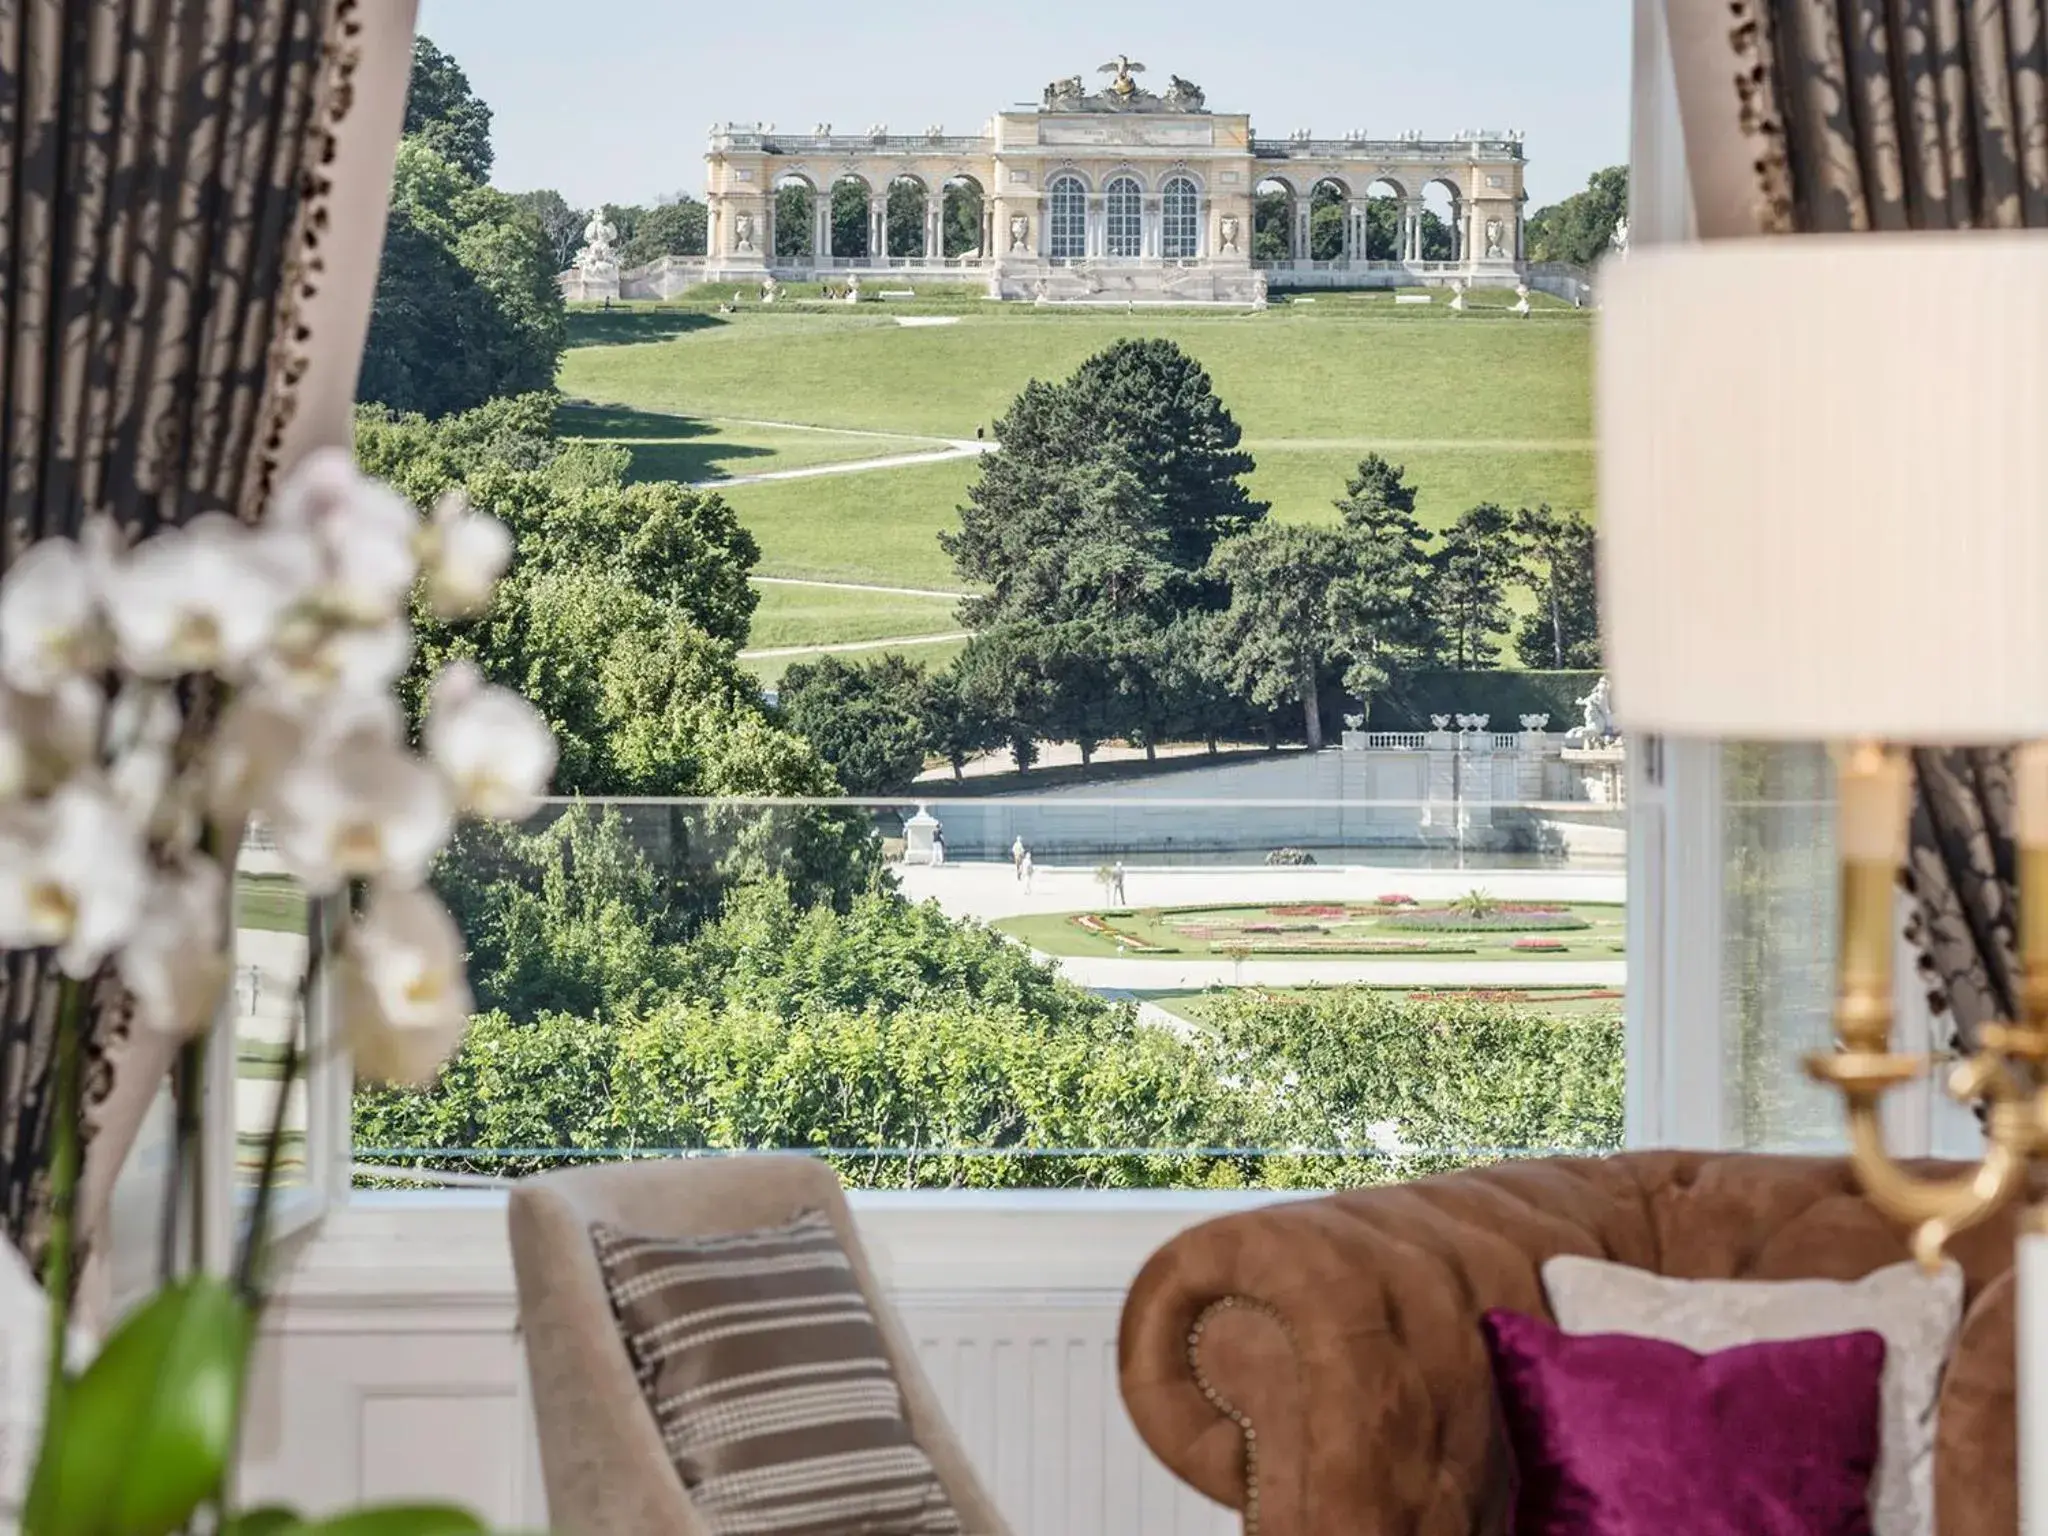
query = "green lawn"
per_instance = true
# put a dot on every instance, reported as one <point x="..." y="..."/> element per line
<point x="1220" y="932"/>
<point x="273" y="902"/>
<point x="879" y="526"/>
<point x="1478" y="407"/>
<point x="820" y="615"/>
<point x="1298" y="371"/>
<point x="936" y="657"/>
<point x="695" y="449"/>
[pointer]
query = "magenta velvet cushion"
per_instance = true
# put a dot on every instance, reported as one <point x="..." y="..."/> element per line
<point x="1615" y="1435"/>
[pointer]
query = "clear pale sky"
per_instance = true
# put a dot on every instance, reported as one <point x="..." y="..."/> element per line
<point x="610" y="100"/>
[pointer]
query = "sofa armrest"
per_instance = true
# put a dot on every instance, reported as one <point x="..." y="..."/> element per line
<point x="1319" y="1364"/>
<point x="1976" y="1452"/>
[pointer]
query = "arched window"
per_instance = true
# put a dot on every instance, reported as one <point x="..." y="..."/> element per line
<point x="1066" y="228"/>
<point x="1126" y="210"/>
<point x="1180" y="234"/>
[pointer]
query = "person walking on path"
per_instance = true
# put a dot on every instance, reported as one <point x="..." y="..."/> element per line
<point x="1116" y="884"/>
<point x="938" y="848"/>
<point x="1024" y="871"/>
<point x="1018" y="856"/>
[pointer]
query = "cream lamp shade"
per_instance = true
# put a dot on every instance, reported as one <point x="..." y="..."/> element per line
<point x="1824" y="487"/>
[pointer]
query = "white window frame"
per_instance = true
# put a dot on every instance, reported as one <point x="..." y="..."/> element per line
<point x="1180" y="219"/>
<point x="1123" y="219"/>
<point x="1066" y="218"/>
<point x="1681" y="1091"/>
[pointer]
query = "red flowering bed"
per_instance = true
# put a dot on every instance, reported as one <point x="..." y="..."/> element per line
<point x="1542" y="946"/>
<point x="1396" y="900"/>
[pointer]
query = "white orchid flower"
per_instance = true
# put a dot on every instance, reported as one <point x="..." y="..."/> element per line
<point x="45" y="738"/>
<point x="464" y="552"/>
<point x="176" y="962"/>
<point x="365" y="533"/>
<point x="195" y="599"/>
<point x="315" y="668"/>
<point x="50" y="619"/>
<point x="357" y="805"/>
<point x="403" y="997"/>
<point x="73" y="877"/>
<point x="252" y="745"/>
<point x="494" y="746"/>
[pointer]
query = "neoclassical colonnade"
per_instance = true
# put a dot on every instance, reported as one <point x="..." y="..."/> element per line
<point x="1085" y="194"/>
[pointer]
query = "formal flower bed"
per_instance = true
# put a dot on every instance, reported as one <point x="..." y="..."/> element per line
<point x="1539" y="946"/>
<point x="1499" y="920"/>
<point x="1342" y="944"/>
<point x="1322" y="911"/>
<point x="1514" y="995"/>
<point x="1395" y="900"/>
<point x="1129" y="941"/>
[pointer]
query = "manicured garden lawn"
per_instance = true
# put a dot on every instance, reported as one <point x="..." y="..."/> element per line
<point x="936" y="658"/>
<point x="273" y="902"/>
<point x="879" y="526"/>
<point x="818" y="615"/>
<point x="694" y="449"/>
<point x="1578" y="931"/>
<point x="1332" y="370"/>
<point x="1478" y="407"/>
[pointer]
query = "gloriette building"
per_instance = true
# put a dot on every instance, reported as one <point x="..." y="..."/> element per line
<point x="1118" y="194"/>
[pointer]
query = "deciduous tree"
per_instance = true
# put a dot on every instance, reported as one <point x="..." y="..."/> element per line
<point x="869" y="720"/>
<point x="445" y="114"/>
<point x="1559" y="552"/>
<point x="1581" y="228"/>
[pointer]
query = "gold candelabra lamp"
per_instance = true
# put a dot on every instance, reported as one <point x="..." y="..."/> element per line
<point x="1824" y="517"/>
<point x="2004" y="1073"/>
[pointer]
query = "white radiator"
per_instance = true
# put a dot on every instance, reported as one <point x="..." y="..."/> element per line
<point x="392" y="1368"/>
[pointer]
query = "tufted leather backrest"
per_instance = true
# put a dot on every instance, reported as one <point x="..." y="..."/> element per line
<point x="1385" y="1421"/>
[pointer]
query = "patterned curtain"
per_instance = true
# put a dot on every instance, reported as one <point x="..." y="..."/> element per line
<point x="1906" y="115"/>
<point x="162" y="188"/>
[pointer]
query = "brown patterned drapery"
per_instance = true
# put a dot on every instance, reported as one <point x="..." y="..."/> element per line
<point x="1896" y="115"/>
<point x="163" y="169"/>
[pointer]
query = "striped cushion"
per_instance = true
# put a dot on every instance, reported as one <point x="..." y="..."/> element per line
<point x="770" y="1383"/>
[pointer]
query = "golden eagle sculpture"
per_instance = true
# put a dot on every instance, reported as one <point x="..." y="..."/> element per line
<point x="1122" y="67"/>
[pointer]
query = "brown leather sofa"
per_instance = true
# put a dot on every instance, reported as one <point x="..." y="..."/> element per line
<point x="1317" y="1364"/>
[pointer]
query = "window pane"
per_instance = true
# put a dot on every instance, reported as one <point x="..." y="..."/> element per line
<point x="1181" y="234"/>
<point x="1126" y="219"/>
<point x="270" y="964"/>
<point x="1067" y="231"/>
<point x="1778" y="941"/>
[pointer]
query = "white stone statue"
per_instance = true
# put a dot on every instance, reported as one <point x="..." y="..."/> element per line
<point x="1522" y="300"/>
<point x="1496" y="238"/>
<point x="598" y="255"/>
<point x="771" y="290"/>
<point x="1259" y="289"/>
<point x="1458" y="286"/>
<point x="1440" y="722"/>
<point x="1535" y="722"/>
<point x="1599" y="719"/>
<point x="1041" y="293"/>
<point x="853" y="289"/>
<point x="1228" y="229"/>
<point x="1020" y="232"/>
<point x="743" y="234"/>
<point x="1619" y="243"/>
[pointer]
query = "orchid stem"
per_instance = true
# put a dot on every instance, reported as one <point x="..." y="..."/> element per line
<point x="249" y="1274"/>
<point x="64" y="1158"/>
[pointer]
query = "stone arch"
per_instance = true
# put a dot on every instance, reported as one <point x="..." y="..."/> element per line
<point x="1066" y="216"/>
<point x="1443" y="216"/>
<point x="964" y="215"/>
<point x="1123" y="216"/>
<point x="1275" y="201"/>
<point x="850" y="217"/>
<point x="1329" y="231"/>
<point x="794" y="207"/>
<point x="907" y="215"/>
<point x="1180" y="216"/>
<point x="1385" y="200"/>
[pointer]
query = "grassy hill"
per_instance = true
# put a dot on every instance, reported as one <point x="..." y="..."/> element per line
<point x="1481" y="406"/>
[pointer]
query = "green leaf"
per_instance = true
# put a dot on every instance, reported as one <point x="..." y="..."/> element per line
<point x="400" y="1520"/>
<point x="268" y="1520"/>
<point x="144" y="1436"/>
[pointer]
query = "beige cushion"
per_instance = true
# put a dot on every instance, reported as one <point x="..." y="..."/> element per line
<point x="1917" y="1313"/>
<point x="770" y="1382"/>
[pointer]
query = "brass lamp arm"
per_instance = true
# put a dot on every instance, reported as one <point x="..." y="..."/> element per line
<point x="1937" y="1209"/>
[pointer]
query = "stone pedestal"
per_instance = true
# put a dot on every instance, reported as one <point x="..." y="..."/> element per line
<point x="919" y="833"/>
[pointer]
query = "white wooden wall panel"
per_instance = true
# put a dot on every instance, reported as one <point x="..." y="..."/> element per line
<point x="391" y="1366"/>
